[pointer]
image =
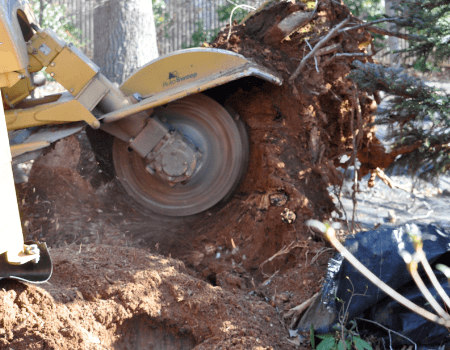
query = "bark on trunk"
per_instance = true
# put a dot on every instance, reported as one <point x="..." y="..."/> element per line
<point x="125" y="37"/>
<point x="41" y="12"/>
<point x="393" y="41"/>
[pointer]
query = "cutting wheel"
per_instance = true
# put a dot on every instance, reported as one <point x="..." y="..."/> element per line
<point x="210" y="130"/>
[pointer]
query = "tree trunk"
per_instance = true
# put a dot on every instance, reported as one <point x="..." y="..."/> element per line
<point x="393" y="41"/>
<point x="41" y="12"/>
<point x="125" y="37"/>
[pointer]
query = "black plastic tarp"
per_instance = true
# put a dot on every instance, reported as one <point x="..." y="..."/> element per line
<point x="378" y="250"/>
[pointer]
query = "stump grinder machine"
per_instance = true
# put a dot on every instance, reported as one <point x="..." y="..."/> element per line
<point x="176" y="150"/>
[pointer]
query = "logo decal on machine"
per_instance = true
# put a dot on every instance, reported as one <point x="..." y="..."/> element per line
<point x="173" y="75"/>
<point x="45" y="49"/>
<point x="174" y="78"/>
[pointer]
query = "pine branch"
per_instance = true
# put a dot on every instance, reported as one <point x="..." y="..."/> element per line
<point x="322" y="42"/>
<point x="421" y="115"/>
<point x="362" y="25"/>
<point x="382" y="31"/>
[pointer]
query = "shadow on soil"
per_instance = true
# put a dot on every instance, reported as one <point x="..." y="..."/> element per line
<point x="143" y="332"/>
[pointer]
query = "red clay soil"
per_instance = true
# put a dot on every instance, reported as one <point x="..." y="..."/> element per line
<point x="108" y="297"/>
<point x="240" y="267"/>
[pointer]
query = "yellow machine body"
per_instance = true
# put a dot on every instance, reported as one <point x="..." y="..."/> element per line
<point x="13" y="64"/>
<point x="13" y="49"/>
<point x="192" y="70"/>
<point x="163" y="80"/>
<point x="12" y="247"/>
<point x="26" y="49"/>
<point x="11" y="239"/>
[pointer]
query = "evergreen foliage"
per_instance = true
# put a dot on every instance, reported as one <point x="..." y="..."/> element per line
<point x="55" y="16"/>
<point x="162" y="18"/>
<point x="428" y="25"/>
<point x="367" y="10"/>
<point x="202" y="35"/>
<point x="224" y="11"/>
<point x="418" y="115"/>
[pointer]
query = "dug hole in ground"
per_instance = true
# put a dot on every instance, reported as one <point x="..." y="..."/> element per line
<point x="224" y="279"/>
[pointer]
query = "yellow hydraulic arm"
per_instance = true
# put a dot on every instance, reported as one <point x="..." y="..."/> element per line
<point x="11" y="238"/>
<point x="17" y="260"/>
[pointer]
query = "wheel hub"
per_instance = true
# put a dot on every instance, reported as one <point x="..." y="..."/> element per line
<point x="175" y="163"/>
<point x="205" y="151"/>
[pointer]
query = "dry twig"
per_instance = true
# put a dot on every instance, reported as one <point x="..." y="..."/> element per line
<point x="284" y="250"/>
<point x="232" y="12"/>
<point x="321" y="43"/>
<point x="351" y="54"/>
<point x="328" y="49"/>
<point x="302" y="307"/>
<point x="420" y="217"/>
<point x="367" y="24"/>
<point x="315" y="58"/>
<point x="355" y="143"/>
<point x="387" y="329"/>
<point x="388" y="181"/>
<point x="267" y="281"/>
<point x="319" y="253"/>
<point x="382" y="31"/>
<point x="434" y="281"/>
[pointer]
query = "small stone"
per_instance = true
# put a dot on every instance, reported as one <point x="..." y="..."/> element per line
<point x="288" y="216"/>
<point x="391" y="216"/>
<point x="195" y="258"/>
<point x="210" y="249"/>
<point x="264" y="204"/>
<point x="282" y="297"/>
<point x="278" y="199"/>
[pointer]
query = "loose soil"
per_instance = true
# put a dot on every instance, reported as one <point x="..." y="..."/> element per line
<point x="125" y="278"/>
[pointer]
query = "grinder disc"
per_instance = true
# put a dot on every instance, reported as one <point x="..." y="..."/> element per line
<point x="210" y="129"/>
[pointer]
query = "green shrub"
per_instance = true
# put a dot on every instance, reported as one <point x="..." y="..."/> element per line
<point x="55" y="17"/>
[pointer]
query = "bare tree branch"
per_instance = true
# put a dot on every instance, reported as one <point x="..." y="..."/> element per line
<point x="322" y="42"/>
<point x="350" y="54"/>
<point x="369" y="24"/>
<point x="396" y="34"/>
<point x="328" y="49"/>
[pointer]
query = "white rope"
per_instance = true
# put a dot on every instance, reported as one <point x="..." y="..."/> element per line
<point x="315" y="58"/>
<point x="232" y="12"/>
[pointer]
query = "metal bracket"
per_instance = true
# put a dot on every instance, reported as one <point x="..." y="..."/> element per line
<point x="149" y="137"/>
<point x="31" y="271"/>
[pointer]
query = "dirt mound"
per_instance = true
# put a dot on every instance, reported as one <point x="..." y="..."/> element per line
<point x="248" y="261"/>
<point x="86" y="306"/>
<point x="300" y="130"/>
<point x="96" y="301"/>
